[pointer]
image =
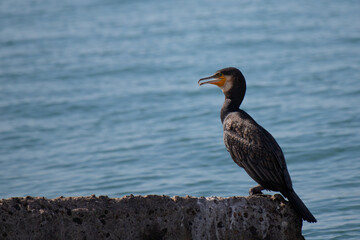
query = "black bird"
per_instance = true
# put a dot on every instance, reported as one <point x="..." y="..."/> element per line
<point x="250" y="145"/>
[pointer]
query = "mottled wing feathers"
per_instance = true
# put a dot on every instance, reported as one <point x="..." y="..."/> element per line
<point x="254" y="149"/>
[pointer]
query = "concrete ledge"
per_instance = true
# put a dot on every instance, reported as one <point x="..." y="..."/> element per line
<point x="149" y="217"/>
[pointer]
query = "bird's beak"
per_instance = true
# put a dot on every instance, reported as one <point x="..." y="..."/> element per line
<point x="220" y="81"/>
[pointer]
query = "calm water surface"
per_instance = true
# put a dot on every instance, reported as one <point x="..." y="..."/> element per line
<point x="101" y="97"/>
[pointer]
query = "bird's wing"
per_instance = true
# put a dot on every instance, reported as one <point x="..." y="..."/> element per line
<point x="254" y="149"/>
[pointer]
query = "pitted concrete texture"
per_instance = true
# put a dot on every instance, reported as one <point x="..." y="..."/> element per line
<point x="149" y="217"/>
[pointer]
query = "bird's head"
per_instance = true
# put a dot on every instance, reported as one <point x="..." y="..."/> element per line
<point x="230" y="80"/>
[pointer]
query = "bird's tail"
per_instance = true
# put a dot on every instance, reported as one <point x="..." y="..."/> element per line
<point x="299" y="206"/>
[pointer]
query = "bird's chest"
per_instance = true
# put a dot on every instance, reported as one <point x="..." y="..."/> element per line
<point x="236" y="151"/>
<point x="237" y="139"/>
<point x="237" y="128"/>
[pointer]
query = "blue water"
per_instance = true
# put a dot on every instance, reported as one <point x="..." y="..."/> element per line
<point x="101" y="97"/>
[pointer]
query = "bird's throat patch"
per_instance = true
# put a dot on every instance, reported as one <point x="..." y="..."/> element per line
<point x="221" y="81"/>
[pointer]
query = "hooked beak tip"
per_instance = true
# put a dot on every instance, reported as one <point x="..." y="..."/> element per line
<point x="206" y="78"/>
<point x="200" y="83"/>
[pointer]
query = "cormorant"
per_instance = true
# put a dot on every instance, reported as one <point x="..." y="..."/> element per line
<point x="250" y="145"/>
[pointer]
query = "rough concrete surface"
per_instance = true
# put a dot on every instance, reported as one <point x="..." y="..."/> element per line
<point x="149" y="217"/>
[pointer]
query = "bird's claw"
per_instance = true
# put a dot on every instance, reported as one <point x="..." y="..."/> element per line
<point x="256" y="190"/>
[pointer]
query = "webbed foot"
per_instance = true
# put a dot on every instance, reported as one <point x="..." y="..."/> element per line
<point x="256" y="190"/>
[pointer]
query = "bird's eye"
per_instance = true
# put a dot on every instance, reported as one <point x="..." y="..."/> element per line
<point x="219" y="75"/>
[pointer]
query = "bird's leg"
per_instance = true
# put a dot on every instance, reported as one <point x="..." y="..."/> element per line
<point x="256" y="190"/>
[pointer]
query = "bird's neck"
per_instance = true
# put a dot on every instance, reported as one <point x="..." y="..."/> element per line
<point x="233" y="96"/>
<point x="229" y="106"/>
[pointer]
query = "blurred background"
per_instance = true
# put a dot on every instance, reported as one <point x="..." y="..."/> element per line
<point x="101" y="97"/>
